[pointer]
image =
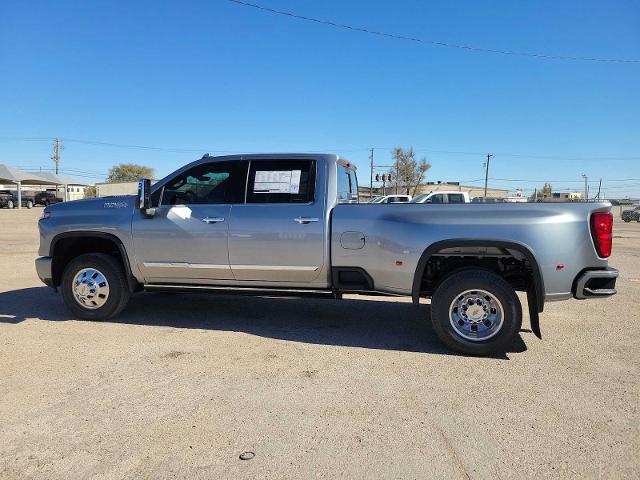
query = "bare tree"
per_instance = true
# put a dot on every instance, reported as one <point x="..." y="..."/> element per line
<point x="407" y="171"/>
<point x="544" y="192"/>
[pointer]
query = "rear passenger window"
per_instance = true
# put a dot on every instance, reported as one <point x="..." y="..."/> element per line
<point x="347" y="185"/>
<point x="281" y="181"/>
<point x="439" y="198"/>
<point x="456" y="198"/>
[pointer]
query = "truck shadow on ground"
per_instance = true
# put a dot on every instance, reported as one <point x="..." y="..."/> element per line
<point x="353" y="322"/>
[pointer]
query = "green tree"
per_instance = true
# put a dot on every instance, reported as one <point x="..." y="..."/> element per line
<point x="90" y="192"/>
<point x="407" y="171"/>
<point x="128" y="172"/>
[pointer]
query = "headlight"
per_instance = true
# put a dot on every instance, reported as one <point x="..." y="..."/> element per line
<point x="45" y="215"/>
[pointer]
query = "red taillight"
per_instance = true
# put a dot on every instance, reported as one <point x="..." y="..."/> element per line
<point x="602" y="232"/>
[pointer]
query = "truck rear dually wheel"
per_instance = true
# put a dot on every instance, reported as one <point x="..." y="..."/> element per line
<point x="94" y="286"/>
<point x="476" y="312"/>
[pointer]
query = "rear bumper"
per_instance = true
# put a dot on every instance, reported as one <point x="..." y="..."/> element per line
<point x="43" y="268"/>
<point x="595" y="284"/>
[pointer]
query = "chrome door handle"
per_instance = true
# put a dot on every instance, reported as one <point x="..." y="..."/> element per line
<point x="302" y="220"/>
<point x="213" y="219"/>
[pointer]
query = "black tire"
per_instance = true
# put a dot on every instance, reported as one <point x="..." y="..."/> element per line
<point x="476" y="279"/>
<point x="10" y="204"/>
<point x="113" y="271"/>
<point x="626" y="219"/>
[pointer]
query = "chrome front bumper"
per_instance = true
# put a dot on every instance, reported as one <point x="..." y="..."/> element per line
<point x="595" y="284"/>
<point x="43" y="268"/>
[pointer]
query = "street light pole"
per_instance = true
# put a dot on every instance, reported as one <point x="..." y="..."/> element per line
<point x="371" y="183"/>
<point x="586" y="191"/>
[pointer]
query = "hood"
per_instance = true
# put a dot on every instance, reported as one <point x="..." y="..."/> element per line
<point x="103" y="204"/>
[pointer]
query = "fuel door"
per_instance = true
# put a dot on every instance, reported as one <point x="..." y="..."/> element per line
<point x="352" y="240"/>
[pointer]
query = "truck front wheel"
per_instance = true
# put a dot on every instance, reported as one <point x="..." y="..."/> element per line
<point x="476" y="312"/>
<point x="94" y="286"/>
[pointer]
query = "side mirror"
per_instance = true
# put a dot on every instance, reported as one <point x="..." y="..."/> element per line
<point x="144" y="194"/>
<point x="429" y="201"/>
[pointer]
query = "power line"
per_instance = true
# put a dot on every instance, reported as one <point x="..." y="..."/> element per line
<point x="516" y="155"/>
<point x="430" y="42"/>
<point x="186" y="150"/>
<point x="165" y="149"/>
<point x="560" y="181"/>
<point x="344" y="150"/>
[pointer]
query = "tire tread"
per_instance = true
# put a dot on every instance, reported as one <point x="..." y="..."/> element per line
<point x="482" y="280"/>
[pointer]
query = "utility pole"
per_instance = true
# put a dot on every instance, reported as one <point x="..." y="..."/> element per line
<point x="486" y="174"/>
<point x="57" y="146"/>
<point x="599" y="187"/>
<point x="397" y="174"/>
<point x="586" y="188"/>
<point x="371" y="184"/>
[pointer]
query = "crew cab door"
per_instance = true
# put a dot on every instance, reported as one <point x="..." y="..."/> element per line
<point x="278" y="235"/>
<point x="186" y="241"/>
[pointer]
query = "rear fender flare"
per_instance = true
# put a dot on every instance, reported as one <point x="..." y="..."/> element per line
<point x="537" y="289"/>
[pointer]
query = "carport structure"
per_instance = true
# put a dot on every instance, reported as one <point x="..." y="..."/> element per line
<point x="59" y="180"/>
<point x="19" y="178"/>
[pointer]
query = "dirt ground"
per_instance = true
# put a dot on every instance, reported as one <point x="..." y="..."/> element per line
<point x="179" y="386"/>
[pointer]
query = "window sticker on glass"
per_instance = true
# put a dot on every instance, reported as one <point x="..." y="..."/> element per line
<point x="277" y="181"/>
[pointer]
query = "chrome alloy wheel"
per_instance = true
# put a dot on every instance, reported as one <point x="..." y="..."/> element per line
<point x="90" y="288"/>
<point x="476" y="315"/>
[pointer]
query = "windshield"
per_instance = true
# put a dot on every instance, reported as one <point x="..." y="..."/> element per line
<point x="420" y="198"/>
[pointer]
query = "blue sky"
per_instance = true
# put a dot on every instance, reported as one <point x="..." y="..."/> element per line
<point x="215" y="76"/>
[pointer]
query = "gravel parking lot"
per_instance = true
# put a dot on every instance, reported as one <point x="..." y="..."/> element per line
<point x="179" y="386"/>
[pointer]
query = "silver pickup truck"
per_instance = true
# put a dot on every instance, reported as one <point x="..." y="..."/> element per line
<point x="292" y="224"/>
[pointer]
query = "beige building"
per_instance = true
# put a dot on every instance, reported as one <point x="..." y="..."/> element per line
<point x="121" y="188"/>
<point x="561" y="197"/>
<point x="74" y="192"/>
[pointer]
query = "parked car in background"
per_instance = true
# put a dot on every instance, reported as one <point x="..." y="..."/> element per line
<point x="487" y="200"/>
<point x="442" y="197"/>
<point x="46" y="198"/>
<point x="631" y="215"/>
<point x="9" y="199"/>
<point x="392" y="199"/>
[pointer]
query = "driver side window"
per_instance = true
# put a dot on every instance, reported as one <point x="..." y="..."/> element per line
<point x="210" y="183"/>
